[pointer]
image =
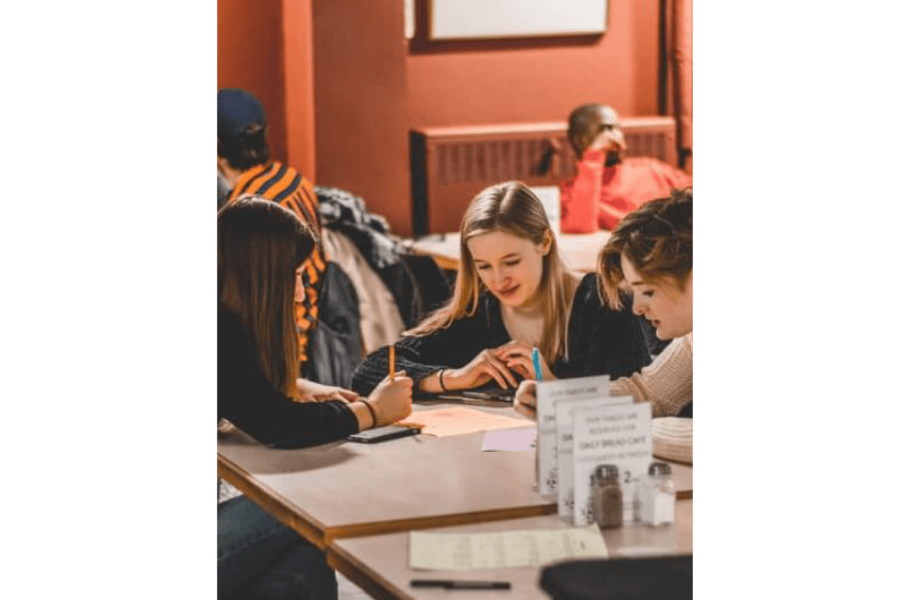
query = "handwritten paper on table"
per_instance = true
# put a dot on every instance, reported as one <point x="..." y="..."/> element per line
<point x="458" y="420"/>
<point x="503" y="549"/>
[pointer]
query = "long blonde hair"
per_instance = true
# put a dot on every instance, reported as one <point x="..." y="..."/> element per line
<point x="510" y="207"/>
<point x="260" y="247"/>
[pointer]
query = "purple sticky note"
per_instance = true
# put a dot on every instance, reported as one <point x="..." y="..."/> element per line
<point x="509" y="440"/>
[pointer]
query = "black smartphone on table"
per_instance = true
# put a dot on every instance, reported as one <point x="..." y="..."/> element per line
<point x="381" y="434"/>
<point x="480" y="393"/>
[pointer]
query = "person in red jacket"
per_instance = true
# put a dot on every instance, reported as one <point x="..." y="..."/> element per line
<point x="608" y="186"/>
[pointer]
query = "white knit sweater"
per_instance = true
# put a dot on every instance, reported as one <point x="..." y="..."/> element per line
<point x="667" y="382"/>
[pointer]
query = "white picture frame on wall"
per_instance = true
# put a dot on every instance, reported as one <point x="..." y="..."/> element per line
<point x="409" y="19"/>
<point x="490" y="19"/>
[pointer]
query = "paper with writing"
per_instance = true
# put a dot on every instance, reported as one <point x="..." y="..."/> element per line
<point x="548" y="392"/>
<point x="457" y="420"/>
<point x="444" y="551"/>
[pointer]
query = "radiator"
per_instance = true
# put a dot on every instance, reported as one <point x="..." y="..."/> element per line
<point x="449" y="165"/>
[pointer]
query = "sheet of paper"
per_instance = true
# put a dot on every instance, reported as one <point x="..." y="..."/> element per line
<point x="565" y="496"/>
<point x="509" y="440"/>
<point x="617" y="434"/>
<point x="548" y="392"/>
<point x="521" y="548"/>
<point x="457" y="420"/>
<point x="549" y="197"/>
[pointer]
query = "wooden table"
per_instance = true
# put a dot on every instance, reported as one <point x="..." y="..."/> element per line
<point x="579" y="251"/>
<point x="380" y="564"/>
<point x="346" y="489"/>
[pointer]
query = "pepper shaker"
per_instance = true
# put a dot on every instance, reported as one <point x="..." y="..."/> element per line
<point x="607" y="497"/>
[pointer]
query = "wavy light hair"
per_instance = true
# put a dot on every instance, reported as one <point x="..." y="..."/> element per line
<point x="657" y="239"/>
<point x="510" y="207"/>
<point x="260" y="247"/>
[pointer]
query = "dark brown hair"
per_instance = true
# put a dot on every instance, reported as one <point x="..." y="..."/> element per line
<point x="248" y="149"/>
<point x="260" y="247"/>
<point x="657" y="239"/>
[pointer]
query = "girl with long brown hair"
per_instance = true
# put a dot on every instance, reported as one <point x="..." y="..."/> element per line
<point x="260" y="247"/>
<point x="512" y="294"/>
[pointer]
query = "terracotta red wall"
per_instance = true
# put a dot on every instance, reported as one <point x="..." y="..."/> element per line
<point x="342" y="88"/>
<point x="265" y="47"/>
<point x="251" y="56"/>
<point x="540" y="80"/>
<point x="362" y="126"/>
<point x="298" y="83"/>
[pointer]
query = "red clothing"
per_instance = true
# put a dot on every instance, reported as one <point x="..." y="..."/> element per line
<point x="598" y="197"/>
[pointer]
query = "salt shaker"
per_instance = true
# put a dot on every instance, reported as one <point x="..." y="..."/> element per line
<point x="657" y="496"/>
<point x="607" y="497"/>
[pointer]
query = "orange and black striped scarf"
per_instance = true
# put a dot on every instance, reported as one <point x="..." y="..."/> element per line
<point x="284" y="185"/>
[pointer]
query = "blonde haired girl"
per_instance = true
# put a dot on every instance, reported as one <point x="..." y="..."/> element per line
<point x="512" y="293"/>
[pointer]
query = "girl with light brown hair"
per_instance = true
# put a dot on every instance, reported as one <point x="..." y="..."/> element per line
<point x="649" y="260"/>
<point x="512" y="294"/>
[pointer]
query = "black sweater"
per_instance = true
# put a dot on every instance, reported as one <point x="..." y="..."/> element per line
<point x="253" y="404"/>
<point x="601" y="341"/>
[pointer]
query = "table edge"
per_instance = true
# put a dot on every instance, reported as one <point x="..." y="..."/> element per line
<point x="272" y="503"/>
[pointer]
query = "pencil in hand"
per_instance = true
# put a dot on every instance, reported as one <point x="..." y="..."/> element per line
<point x="391" y="362"/>
<point x="393" y="359"/>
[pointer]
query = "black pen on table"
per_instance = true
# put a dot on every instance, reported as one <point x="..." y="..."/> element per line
<point x="454" y="584"/>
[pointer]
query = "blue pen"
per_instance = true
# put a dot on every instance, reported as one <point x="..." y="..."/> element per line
<point x="535" y="358"/>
